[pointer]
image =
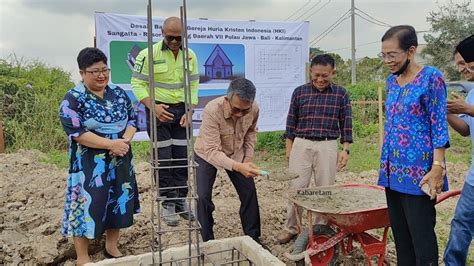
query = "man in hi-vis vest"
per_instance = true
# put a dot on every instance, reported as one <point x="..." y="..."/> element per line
<point x="170" y="113"/>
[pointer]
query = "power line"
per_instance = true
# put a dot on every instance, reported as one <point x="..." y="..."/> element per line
<point x="330" y="28"/>
<point x="381" y="22"/>
<point x="308" y="10"/>
<point x="325" y="34"/>
<point x="359" y="45"/>
<point x="370" y="21"/>
<point x="319" y="9"/>
<point x="299" y="9"/>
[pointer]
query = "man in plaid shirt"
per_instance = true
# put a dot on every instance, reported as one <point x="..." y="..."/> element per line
<point x="319" y="114"/>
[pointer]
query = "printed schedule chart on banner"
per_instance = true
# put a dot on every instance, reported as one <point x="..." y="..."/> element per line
<point x="277" y="63"/>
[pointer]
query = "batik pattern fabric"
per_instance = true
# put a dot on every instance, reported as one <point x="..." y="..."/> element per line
<point x="101" y="188"/>
<point x="415" y="125"/>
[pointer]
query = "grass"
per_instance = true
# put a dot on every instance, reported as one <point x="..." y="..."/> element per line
<point x="56" y="157"/>
<point x="460" y="150"/>
<point x="364" y="155"/>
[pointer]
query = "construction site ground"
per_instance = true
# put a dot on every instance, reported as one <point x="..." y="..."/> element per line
<point x="32" y="200"/>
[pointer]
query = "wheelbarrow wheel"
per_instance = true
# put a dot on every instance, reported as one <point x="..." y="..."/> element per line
<point x="321" y="233"/>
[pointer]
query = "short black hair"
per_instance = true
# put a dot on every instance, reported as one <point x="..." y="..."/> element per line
<point x="89" y="56"/>
<point x="323" y="59"/>
<point x="405" y="34"/>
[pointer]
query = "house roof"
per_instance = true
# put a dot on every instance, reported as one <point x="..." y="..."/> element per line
<point x="218" y="51"/>
<point x="135" y="51"/>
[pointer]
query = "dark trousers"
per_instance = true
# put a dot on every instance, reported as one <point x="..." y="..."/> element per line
<point x="171" y="145"/>
<point x="413" y="220"/>
<point x="249" y="211"/>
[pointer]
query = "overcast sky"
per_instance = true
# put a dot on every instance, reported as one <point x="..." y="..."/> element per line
<point x="54" y="31"/>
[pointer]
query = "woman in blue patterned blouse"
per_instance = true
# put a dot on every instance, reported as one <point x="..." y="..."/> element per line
<point x="102" y="193"/>
<point x="416" y="136"/>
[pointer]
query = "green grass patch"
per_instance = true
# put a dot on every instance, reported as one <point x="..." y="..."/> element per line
<point x="56" y="157"/>
<point x="364" y="155"/>
<point x="141" y="150"/>
<point x="272" y="142"/>
<point x="460" y="150"/>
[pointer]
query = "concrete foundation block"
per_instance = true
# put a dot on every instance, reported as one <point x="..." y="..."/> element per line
<point x="216" y="252"/>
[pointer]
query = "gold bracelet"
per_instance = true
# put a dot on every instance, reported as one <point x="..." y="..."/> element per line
<point x="440" y="164"/>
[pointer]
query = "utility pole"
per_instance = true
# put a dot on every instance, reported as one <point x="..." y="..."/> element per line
<point x="353" y="51"/>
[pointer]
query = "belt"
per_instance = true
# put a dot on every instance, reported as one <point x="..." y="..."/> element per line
<point x="171" y="104"/>
<point x="319" y="138"/>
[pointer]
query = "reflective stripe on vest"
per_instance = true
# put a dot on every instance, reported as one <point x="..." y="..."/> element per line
<point x="172" y="86"/>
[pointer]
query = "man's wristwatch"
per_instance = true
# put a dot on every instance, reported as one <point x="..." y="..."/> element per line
<point x="347" y="151"/>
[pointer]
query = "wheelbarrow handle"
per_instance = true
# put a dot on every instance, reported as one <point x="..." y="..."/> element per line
<point x="447" y="195"/>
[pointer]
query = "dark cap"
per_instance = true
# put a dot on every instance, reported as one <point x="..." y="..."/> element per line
<point x="466" y="49"/>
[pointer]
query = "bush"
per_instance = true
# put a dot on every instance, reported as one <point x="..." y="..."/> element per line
<point x="364" y="130"/>
<point x="367" y="91"/>
<point x="31" y="94"/>
<point x="365" y="116"/>
<point x="270" y="141"/>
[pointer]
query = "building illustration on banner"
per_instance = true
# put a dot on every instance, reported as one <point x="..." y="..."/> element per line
<point x="132" y="56"/>
<point x="218" y="65"/>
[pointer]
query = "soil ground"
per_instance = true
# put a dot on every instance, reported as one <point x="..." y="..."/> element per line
<point x="32" y="200"/>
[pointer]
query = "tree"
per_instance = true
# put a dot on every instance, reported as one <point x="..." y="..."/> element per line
<point x="343" y="70"/>
<point x="371" y="70"/>
<point x="449" y="25"/>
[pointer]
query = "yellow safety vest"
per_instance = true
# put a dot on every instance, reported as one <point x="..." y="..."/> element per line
<point x="168" y="74"/>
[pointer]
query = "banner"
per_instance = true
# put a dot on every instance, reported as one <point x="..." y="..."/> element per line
<point x="273" y="55"/>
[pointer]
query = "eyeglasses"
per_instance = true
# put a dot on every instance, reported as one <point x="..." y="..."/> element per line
<point x="236" y="110"/>
<point x="170" y="38"/>
<point x="464" y="66"/>
<point x="96" y="73"/>
<point x="390" y="56"/>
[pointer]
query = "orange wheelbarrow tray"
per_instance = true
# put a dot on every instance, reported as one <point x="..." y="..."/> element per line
<point x="350" y="210"/>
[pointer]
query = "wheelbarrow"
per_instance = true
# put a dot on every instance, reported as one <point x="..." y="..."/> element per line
<point x="349" y="211"/>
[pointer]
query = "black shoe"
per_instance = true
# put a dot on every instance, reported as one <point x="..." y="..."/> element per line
<point x="182" y="209"/>
<point x="110" y="256"/>
<point x="169" y="215"/>
<point x="262" y="244"/>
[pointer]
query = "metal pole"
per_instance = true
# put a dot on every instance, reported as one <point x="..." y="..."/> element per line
<point x="353" y="51"/>
<point x="153" y="137"/>
<point x="189" y="126"/>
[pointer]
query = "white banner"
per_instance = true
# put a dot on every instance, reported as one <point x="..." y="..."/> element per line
<point x="273" y="55"/>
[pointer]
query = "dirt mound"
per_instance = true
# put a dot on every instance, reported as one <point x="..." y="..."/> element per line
<point x="32" y="199"/>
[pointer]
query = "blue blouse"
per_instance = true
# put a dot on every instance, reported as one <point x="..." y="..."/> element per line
<point x="83" y="111"/>
<point x="415" y="125"/>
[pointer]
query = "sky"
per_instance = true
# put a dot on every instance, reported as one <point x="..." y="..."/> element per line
<point x="54" y="31"/>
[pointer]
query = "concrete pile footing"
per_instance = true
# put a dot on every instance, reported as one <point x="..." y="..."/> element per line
<point x="217" y="252"/>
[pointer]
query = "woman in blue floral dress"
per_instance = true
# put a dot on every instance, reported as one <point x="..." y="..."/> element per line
<point x="416" y="136"/>
<point x="102" y="193"/>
